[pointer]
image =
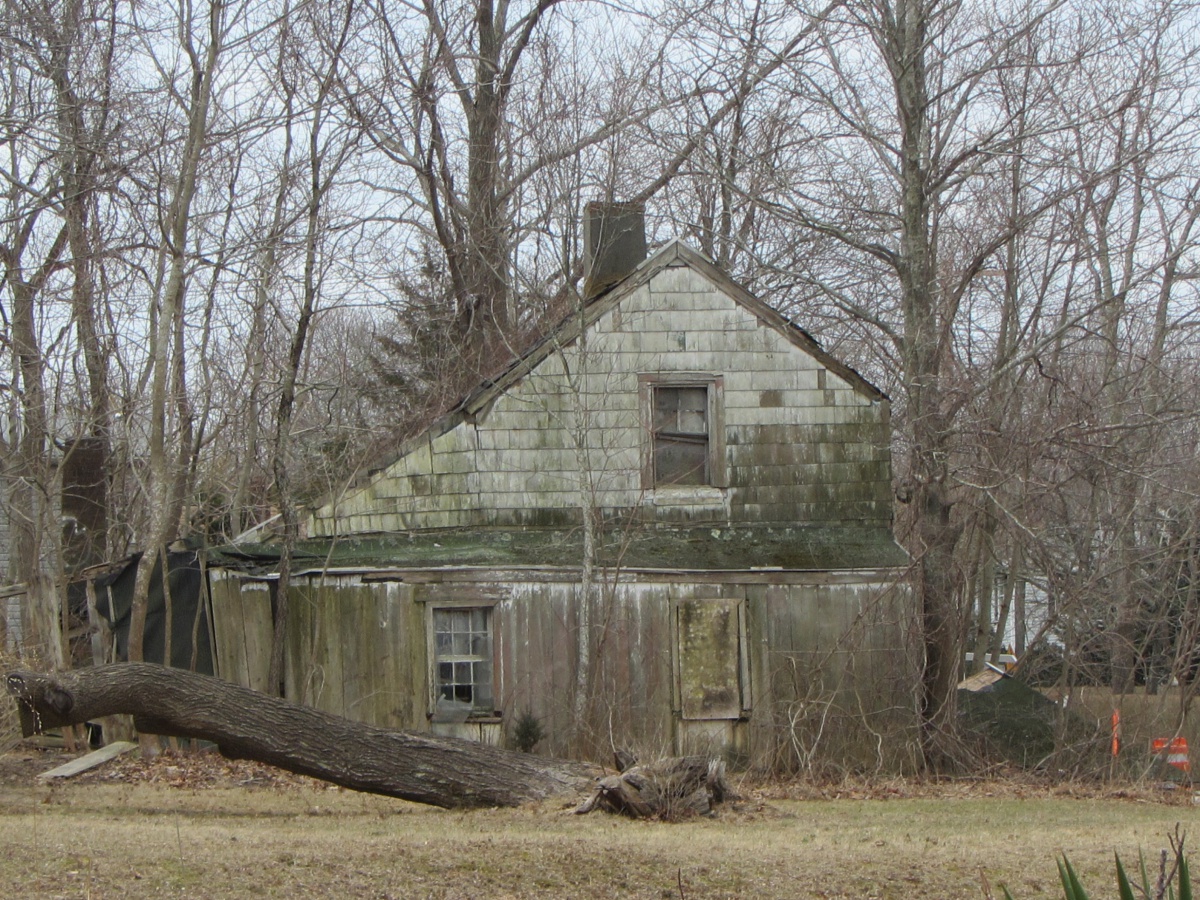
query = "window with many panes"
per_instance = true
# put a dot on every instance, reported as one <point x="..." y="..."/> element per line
<point x="462" y="641"/>
<point x="680" y="435"/>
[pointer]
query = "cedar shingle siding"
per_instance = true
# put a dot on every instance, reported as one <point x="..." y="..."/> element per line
<point x="801" y="443"/>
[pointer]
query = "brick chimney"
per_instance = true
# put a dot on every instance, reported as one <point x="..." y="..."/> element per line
<point x="614" y="243"/>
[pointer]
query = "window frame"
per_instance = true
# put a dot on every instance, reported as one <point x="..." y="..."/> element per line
<point x="714" y="385"/>
<point x="476" y="714"/>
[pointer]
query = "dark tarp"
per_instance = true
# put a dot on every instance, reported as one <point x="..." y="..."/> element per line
<point x="189" y="611"/>
<point x="1014" y="721"/>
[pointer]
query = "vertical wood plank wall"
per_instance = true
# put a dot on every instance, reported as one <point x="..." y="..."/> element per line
<point x="822" y="659"/>
<point x="241" y="628"/>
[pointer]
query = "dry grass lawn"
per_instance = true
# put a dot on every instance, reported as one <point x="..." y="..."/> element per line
<point x="177" y="829"/>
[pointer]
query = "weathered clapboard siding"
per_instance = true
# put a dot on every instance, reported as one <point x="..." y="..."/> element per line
<point x="816" y="650"/>
<point x="574" y="423"/>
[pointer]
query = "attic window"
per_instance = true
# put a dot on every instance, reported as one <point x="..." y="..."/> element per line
<point x="684" y="435"/>
<point x="681" y="435"/>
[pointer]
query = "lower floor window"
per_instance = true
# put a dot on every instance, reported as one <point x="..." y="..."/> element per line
<point x="463" y="659"/>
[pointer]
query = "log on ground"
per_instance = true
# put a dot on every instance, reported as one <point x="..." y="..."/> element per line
<point x="247" y="724"/>
<point x="423" y="768"/>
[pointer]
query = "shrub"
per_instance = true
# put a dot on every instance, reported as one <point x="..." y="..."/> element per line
<point x="527" y="731"/>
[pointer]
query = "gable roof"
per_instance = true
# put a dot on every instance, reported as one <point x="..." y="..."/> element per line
<point x="674" y="253"/>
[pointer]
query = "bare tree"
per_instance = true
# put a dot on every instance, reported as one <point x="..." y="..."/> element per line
<point x="61" y="138"/>
<point x="324" y="160"/>
<point x="202" y="43"/>
<point x="938" y="134"/>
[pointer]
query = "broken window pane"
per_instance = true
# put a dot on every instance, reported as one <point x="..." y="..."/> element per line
<point x="463" y="655"/>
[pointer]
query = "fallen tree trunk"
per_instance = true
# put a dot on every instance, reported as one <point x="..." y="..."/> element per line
<point x="423" y="768"/>
<point x="246" y="724"/>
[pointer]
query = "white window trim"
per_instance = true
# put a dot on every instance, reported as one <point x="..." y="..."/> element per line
<point x="431" y="650"/>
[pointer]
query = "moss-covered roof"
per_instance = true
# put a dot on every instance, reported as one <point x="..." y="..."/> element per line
<point x="710" y="548"/>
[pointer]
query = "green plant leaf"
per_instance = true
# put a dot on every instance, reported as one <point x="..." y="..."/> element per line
<point x="1145" y="877"/>
<point x="1068" y="891"/>
<point x="1072" y="888"/>
<point x="1124" y="888"/>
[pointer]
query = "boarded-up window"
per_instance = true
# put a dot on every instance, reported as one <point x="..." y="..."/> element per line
<point x="680" y="435"/>
<point x="463" y="660"/>
<point x="710" y="659"/>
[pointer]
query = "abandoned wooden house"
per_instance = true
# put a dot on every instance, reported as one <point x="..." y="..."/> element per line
<point x="667" y="526"/>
